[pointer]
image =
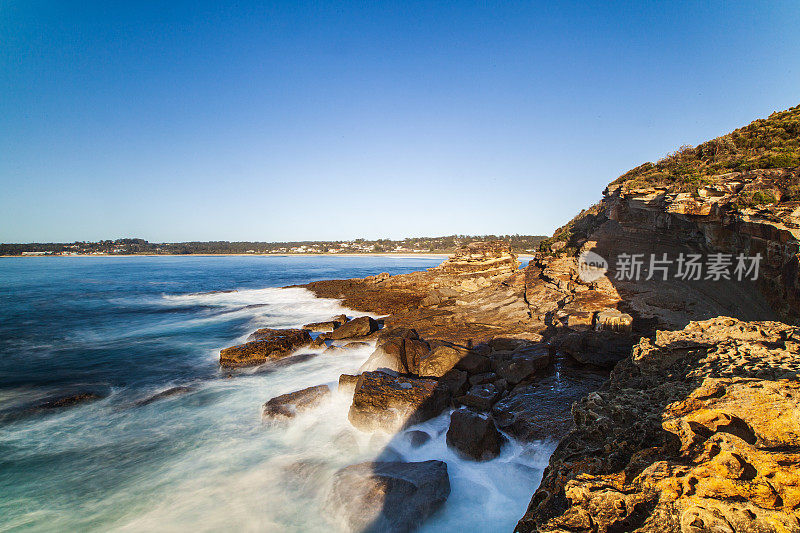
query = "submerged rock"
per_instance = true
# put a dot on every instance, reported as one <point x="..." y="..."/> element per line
<point x="388" y="403"/>
<point x="63" y="402"/>
<point x="473" y="435"/>
<point x="263" y="345"/>
<point x="388" y="496"/>
<point x="168" y="393"/>
<point x="290" y="405"/>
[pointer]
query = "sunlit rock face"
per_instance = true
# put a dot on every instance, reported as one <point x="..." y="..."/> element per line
<point x="699" y="432"/>
<point x="477" y="264"/>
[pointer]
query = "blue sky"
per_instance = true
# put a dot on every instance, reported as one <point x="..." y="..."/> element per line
<point x="178" y="121"/>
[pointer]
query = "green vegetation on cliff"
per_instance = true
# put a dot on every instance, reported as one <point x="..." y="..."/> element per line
<point x="772" y="142"/>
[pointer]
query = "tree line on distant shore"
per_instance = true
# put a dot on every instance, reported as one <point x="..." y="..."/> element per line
<point x="132" y="246"/>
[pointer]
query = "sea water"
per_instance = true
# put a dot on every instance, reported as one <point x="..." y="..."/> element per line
<point x="202" y="460"/>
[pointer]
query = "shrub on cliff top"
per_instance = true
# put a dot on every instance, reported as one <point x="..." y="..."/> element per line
<point x="773" y="142"/>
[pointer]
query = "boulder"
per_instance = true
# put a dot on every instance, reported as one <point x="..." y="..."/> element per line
<point x="347" y="383"/>
<point x="473" y="363"/>
<point x="264" y="344"/>
<point x="358" y="327"/>
<point x="340" y="319"/>
<point x="62" y="402"/>
<point x="416" y="438"/>
<point x="322" y="327"/>
<point x="473" y="435"/>
<point x="415" y="350"/>
<point x="406" y="333"/>
<point x="523" y="363"/>
<point x="387" y="496"/>
<point x="441" y="359"/>
<point x="454" y="382"/>
<point x="481" y="397"/>
<point x="387" y="357"/>
<point x="290" y="405"/>
<point x="614" y="320"/>
<point x="297" y="336"/>
<point x="382" y="402"/>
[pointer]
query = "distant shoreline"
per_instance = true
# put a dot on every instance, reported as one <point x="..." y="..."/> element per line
<point x="374" y="254"/>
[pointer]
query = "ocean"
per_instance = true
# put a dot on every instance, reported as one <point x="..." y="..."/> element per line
<point x="128" y="328"/>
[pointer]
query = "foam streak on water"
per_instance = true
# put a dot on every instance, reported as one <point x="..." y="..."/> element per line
<point x="204" y="460"/>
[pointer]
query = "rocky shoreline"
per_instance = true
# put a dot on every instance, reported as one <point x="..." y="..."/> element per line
<point x="488" y="342"/>
<point x="698" y="426"/>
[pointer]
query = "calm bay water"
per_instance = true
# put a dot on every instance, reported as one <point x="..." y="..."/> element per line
<point x="128" y="328"/>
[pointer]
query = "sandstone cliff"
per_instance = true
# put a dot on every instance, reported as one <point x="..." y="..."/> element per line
<point x="697" y="430"/>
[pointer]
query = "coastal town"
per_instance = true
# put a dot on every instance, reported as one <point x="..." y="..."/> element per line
<point x="132" y="246"/>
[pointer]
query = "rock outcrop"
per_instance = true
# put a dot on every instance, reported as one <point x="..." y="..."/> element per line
<point x="697" y="431"/>
<point x="382" y="402"/>
<point x="263" y="345"/>
<point x="473" y="435"/>
<point x="290" y="405"/>
<point x="388" y="496"/>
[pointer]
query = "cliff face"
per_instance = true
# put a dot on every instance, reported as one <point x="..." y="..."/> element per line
<point x="698" y="427"/>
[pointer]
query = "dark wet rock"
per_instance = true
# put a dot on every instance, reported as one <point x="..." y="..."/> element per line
<point x="263" y="345"/>
<point x="168" y="393"/>
<point x="481" y="397"/>
<point x="473" y="435"/>
<point x="347" y="383"/>
<point x="388" y="403"/>
<point x="358" y="327"/>
<point x="416" y="437"/>
<point x="542" y="409"/>
<point x="63" y="402"/>
<point x="523" y="363"/>
<point x="388" y="496"/>
<point x="454" y="382"/>
<point x="473" y="363"/>
<point x="486" y="377"/>
<point x="290" y="405"/>
<point x="603" y="349"/>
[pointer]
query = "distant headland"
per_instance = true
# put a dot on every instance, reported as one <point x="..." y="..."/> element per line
<point x="132" y="246"/>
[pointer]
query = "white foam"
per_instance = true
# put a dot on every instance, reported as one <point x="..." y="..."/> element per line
<point x="205" y="461"/>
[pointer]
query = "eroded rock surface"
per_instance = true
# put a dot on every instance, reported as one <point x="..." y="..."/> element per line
<point x="697" y="431"/>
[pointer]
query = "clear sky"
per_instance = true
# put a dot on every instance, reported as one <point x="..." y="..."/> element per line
<point x="175" y="121"/>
